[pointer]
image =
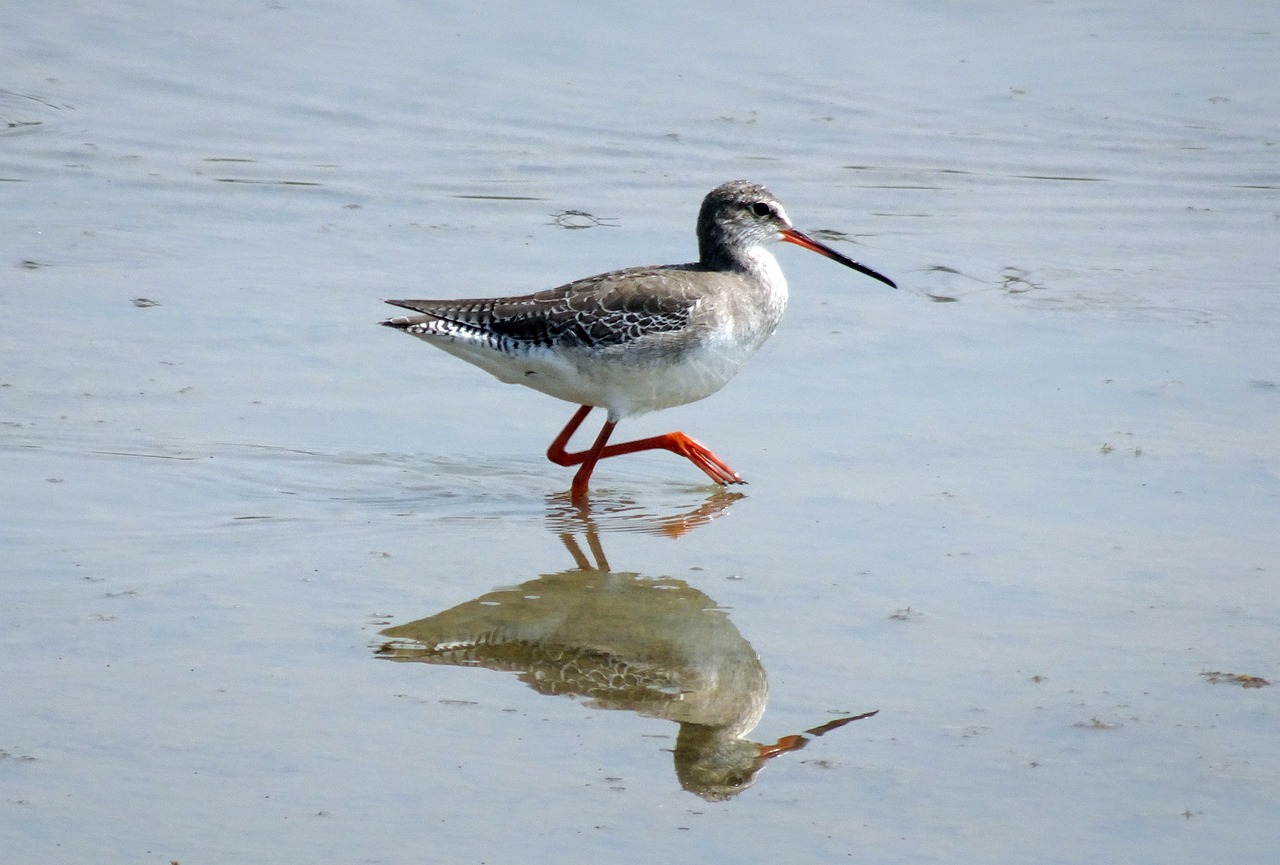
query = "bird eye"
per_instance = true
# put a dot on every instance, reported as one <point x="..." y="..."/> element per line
<point x="761" y="209"/>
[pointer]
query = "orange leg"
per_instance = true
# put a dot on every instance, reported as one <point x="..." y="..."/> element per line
<point x="556" y="453"/>
<point x="676" y="442"/>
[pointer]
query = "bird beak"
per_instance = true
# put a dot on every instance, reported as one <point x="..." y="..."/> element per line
<point x="784" y="745"/>
<point x="795" y="742"/>
<point x="790" y="235"/>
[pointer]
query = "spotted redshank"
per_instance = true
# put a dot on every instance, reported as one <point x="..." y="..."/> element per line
<point x="640" y="339"/>
<point x="617" y="640"/>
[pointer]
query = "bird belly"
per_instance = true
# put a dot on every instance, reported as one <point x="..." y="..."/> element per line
<point x="625" y="379"/>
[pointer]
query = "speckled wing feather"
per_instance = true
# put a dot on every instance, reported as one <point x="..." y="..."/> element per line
<point x="610" y="681"/>
<point x="606" y="310"/>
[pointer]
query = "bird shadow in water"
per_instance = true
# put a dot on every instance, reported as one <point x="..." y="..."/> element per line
<point x="617" y="640"/>
<point x="615" y="514"/>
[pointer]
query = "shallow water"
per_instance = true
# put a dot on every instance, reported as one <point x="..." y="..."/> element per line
<point x="1020" y="506"/>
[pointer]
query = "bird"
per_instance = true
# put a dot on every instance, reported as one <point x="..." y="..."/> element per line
<point x="640" y="339"/>
<point x="619" y="640"/>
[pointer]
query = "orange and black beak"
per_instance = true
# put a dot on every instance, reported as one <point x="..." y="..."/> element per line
<point x="790" y="235"/>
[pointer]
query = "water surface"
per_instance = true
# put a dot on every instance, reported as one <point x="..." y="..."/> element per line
<point x="1021" y="506"/>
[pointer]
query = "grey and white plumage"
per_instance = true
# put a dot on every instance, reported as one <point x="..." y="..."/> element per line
<point x="640" y="339"/>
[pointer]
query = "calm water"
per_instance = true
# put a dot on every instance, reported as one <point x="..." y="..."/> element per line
<point x="1021" y="506"/>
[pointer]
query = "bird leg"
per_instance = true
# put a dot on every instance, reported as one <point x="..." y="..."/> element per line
<point x="556" y="452"/>
<point x="679" y="443"/>
<point x="676" y="442"/>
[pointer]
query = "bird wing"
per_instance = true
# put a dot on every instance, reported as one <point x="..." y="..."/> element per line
<point x="610" y="309"/>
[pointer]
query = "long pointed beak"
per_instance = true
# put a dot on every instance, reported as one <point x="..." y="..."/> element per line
<point x="785" y="745"/>
<point x="790" y="235"/>
<point x="795" y="742"/>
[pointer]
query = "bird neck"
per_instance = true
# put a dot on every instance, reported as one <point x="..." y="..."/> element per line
<point x="763" y="269"/>
<point x="719" y="247"/>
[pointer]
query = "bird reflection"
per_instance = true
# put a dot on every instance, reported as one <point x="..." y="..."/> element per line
<point x="625" y="515"/>
<point x="655" y="646"/>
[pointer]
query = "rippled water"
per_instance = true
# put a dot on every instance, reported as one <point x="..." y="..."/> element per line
<point x="1022" y="506"/>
